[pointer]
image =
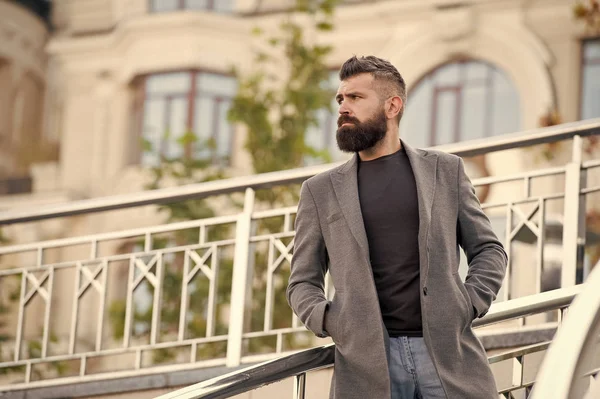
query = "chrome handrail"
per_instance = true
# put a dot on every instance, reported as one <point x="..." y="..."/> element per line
<point x="266" y="180"/>
<point x="565" y="372"/>
<point x="300" y="363"/>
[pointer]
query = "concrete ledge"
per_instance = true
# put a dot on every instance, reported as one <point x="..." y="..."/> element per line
<point x="517" y="337"/>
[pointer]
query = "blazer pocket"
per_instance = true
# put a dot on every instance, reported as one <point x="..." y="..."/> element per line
<point x="332" y="319"/>
<point x="333" y="217"/>
<point x="465" y="294"/>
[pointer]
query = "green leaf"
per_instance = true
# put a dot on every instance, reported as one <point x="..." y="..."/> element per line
<point x="324" y="26"/>
<point x="187" y="138"/>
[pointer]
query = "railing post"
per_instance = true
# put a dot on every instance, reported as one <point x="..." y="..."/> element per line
<point x="574" y="215"/>
<point x="299" y="386"/>
<point x="239" y="282"/>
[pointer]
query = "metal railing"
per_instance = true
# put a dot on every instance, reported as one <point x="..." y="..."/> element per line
<point x="84" y="303"/>
<point x="571" y="369"/>
<point x="299" y="364"/>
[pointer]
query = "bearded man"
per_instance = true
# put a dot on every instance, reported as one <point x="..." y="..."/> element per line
<point x="388" y="225"/>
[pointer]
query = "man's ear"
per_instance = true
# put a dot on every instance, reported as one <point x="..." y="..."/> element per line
<point x="393" y="107"/>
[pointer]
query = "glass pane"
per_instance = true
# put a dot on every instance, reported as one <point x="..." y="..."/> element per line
<point x="224" y="131"/>
<point x="223" y="5"/>
<point x="330" y="129"/>
<point x="153" y="127"/>
<point x="415" y="126"/>
<point x="506" y="115"/>
<point x="473" y="112"/>
<point x="178" y="109"/>
<point x="476" y="71"/>
<point x="203" y="125"/>
<point x="448" y="75"/>
<point x="164" y="5"/>
<point x="168" y="83"/>
<point x="446" y="117"/>
<point x="315" y="135"/>
<point x="214" y="84"/>
<point x="591" y="50"/>
<point x="591" y="92"/>
<point x="322" y="136"/>
<point x="196" y="4"/>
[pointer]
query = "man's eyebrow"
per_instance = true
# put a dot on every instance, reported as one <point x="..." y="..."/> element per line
<point x="350" y="93"/>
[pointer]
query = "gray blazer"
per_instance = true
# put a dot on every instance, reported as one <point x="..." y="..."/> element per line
<point x="330" y="235"/>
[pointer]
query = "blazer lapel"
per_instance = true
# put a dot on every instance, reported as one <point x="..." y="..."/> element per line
<point x="345" y="185"/>
<point x="424" y="166"/>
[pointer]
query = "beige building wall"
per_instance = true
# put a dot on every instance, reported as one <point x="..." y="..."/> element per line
<point x="23" y="39"/>
<point x="98" y="55"/>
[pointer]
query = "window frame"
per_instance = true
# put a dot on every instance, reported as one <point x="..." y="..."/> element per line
<point x="582" y="65"/>
<point x="182" y="6"/>
<point x="192" y="94"/>
<point x="456" y="89"/>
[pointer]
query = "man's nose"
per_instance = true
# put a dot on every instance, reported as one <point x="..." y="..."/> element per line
<point x="343" y="109"/>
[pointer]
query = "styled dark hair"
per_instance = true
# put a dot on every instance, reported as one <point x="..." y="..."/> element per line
<point x="391" y="82"/>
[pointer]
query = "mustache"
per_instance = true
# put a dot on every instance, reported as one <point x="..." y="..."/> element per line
<point x="346" y="118"/>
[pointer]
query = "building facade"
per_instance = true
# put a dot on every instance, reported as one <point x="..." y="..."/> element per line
<point x="91" y="97"/>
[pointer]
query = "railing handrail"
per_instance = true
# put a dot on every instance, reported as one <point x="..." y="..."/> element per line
<point x="255" y="376"/>
<point x="265" y="180"/>
<point x="572" y="352"/>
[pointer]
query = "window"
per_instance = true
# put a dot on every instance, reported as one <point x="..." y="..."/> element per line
<point x="322" y="137"/>
<point x="590" y="93"/>
<point x="460" y="101"/>
<point x="187" y="102"/>
<point x="174" y="5"/>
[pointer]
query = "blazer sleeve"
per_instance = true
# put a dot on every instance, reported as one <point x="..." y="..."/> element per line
<point x="306" y="287"/>
<point x="486" y="257"/>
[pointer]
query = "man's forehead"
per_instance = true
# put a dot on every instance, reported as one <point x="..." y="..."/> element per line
<point x="363" y="81"/>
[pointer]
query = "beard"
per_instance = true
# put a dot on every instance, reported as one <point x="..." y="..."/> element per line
<point x="362" y="135"/>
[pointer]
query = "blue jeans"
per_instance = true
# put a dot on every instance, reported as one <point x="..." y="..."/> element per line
<point x="412" y="372"/>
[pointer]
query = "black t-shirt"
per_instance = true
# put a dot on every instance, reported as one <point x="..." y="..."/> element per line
<point x="389" y="205"/>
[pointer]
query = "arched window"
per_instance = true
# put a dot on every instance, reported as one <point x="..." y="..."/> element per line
<point x="590" y="93"/>
<point x="460" y="101"/>
<point x="178" y="103"/>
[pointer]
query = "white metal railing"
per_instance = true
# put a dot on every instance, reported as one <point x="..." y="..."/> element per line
<point x="297" y="365"/>
<point x="220" y="315"/>
<point x="571" y="369"/>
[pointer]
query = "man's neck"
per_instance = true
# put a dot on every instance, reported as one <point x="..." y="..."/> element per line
<point x="389" y="145"/>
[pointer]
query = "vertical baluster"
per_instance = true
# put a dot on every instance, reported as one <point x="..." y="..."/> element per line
<point x="212" y="293"/>
<point x="540" y="245"/>
<point x="239" y="282"/>
<point x="299" y="386"/>
<point x="75" y="309"/>
<point x="50" y="292"/>
<point x="517" y="372"/>
<point x="506" y="295"/>
<point x="574" y="215"/>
